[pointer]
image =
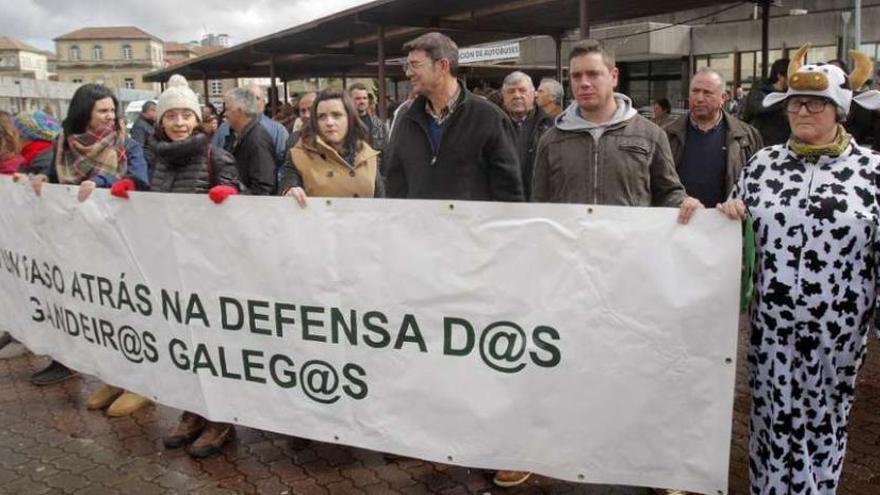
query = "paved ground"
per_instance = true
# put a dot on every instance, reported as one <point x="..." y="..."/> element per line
<point x="49" y="443"/>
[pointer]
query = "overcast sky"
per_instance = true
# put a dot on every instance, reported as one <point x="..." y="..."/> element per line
<point x="37" y="22"/>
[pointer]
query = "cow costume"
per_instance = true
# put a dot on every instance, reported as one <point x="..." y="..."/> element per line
<point x="816" y="213"/>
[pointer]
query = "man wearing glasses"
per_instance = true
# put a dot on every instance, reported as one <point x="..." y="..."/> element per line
<point x="450" y="144"/>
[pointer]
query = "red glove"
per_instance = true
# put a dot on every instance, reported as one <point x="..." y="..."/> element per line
<point x="120" y="188"/>
<point x="218" y="194"/>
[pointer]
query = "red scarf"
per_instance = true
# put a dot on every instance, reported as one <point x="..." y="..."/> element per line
<point x="34" y="148"/>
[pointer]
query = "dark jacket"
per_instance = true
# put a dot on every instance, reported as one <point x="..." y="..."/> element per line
<point x="864" y="125"/>
<point x="528" y="133"/>
<point x="254" y="154"/>
<point x="771" y="122"/>
<point x="189" y="166"/>
<point x="378" y="133"/>
<point x="742" y="142"/>
<point x="629" y="165"/>
<point x="142" y="129"/>
<point x="475" y="160"/>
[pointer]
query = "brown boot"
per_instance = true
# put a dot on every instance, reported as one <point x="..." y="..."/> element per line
<point x="211" y="440"/>
<point x="103" y="397"/>
<point x="507" y="479"/>
<point x="188" y="429"/>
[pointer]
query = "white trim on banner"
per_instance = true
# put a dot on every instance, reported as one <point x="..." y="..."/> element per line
<point x="591" y="344"/>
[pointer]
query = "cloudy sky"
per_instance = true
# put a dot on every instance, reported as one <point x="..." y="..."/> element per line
<point x="37" y="22"/>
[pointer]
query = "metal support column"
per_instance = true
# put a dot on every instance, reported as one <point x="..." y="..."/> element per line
<point x="205" y="85"/>
<point x="273" y="93"/>
<point x="765" y="38"/>
<point x="286" y="92"/>
<point x="381" y="104"/>
<point x="584" y="21"/>
<point x="857" y="25"/>
<point x="558" y="41"/>
<point x="737" y="71"/>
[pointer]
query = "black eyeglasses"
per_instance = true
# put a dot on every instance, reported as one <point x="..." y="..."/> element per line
<point x="813" y="105"/>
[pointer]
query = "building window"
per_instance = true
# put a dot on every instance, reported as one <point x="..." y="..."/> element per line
<point x="74" y="53"/>
<point x="97" y="53"/>
<point x="126" y="52"/>
<point x="216" y="87"/>
<point x="129" y="83"/>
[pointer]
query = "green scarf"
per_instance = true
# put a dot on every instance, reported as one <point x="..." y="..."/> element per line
<point x="835" y="148"/>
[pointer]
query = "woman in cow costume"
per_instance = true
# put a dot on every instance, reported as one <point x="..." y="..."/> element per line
<point x="815" y="202"/>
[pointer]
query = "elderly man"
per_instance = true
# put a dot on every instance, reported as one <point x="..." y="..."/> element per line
<point x="710" y="146"/>
<point x="450" y="144"/>
<point x="530" y="122"/>
<point x="252" y="145"/>
<point x="276" y="131"/>
<point x="550" y="97"/>
<point x="304" y="112"/>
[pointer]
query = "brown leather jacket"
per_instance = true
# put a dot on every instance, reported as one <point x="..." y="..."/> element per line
<point x="630" y="165"/>
<point x="743" y="141"/>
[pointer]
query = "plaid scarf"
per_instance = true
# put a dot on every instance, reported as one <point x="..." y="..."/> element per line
<point x="89" y="154"/>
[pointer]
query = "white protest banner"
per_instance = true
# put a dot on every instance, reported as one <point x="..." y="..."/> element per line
<point x="591" y="344"/>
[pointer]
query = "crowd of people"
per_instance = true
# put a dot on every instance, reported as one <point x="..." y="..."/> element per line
<point x="797" y="170"/>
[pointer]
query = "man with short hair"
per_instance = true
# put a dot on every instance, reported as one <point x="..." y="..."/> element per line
<point x="304" y="108"/>
<point x="450" y="144"/>
<point x="276" y="131"/>
<point x="550" y="97"/>
<point x="145" y="124"/>
<point x="601" y="151"/>
<point x="252" y="145"/>
<point x="376" y="129"/>
<point x="772" y="121"/>
<point x="710" y="145"/>
<point x="529" y="121"/>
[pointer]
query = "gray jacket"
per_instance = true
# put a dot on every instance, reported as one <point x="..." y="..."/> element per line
<point x="624" y="162"/>
<point x="743" y="141"/>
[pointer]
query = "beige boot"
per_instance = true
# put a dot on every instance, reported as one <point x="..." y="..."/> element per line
<point x="103" y="397"/>
<point x="126" y="404"/>
<point x="507" y="479"/>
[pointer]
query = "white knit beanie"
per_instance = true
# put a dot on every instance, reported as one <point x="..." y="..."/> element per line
<point x="178" y="95"/>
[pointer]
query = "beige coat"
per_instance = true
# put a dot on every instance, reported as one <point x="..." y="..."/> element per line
<point x="321" y="171"/>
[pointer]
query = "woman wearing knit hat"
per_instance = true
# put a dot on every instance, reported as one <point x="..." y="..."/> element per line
<point x="91" y="151"/>
<point x="815" y="202"/>
<point x="182" y="160"/>
<point x="37" y="129"/>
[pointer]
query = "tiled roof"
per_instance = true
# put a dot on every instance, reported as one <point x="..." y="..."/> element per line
<point x="107" y="32"/>
<point x="10" y="43"/>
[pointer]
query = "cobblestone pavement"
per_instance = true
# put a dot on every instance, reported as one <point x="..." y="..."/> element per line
<point x="49" y="443"/>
